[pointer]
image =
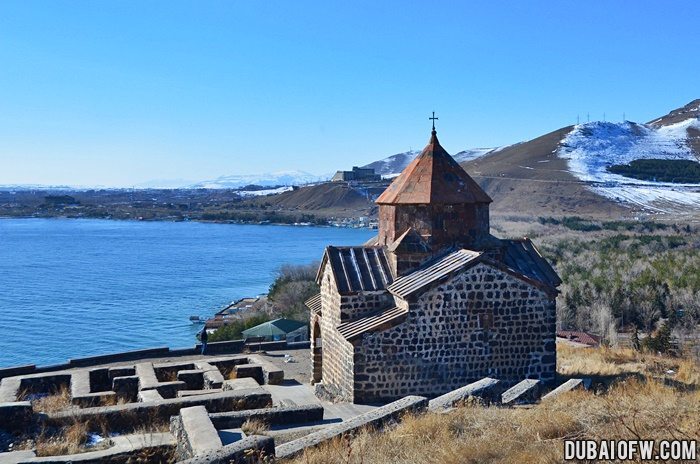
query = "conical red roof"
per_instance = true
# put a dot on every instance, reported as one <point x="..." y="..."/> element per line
<point x="434" y="177"/>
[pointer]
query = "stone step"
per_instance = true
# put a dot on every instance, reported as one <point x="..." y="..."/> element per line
<point x="569" y="385"/>
<point x="486" y="389"/>
<point x="526" y="392"/>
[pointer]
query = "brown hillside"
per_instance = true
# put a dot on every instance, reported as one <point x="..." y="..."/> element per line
<point x="691" y="110"/>
<point x="528" y="178"/>
<point x="328" y="197"/>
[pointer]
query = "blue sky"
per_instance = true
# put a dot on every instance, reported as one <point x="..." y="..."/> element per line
<point x="117" y="93"/>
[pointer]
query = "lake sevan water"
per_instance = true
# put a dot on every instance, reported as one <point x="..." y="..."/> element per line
<point x="73" y="287"/>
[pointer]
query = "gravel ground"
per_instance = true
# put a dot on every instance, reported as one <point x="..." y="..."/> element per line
<point x="299" y="368"/>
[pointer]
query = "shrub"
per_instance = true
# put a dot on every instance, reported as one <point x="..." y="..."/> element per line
<point x="234" y="330"/>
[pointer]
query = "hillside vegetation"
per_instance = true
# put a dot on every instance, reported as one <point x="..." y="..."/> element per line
<point x="620" y="276"/>
<point x="660" y="170"/>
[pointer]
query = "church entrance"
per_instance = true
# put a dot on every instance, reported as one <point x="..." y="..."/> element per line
<point x="317" y="374"/>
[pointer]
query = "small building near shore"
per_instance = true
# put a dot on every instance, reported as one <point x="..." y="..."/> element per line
<point x="231" y="312"/>
<point x="279" y="329"/>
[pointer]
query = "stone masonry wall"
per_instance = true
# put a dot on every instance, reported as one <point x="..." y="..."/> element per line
<point x="442" y="225"/>
<point x="336" y="352"/>
<point x="482" y="322"/>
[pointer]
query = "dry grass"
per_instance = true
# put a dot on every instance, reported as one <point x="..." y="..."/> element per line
<point x="475" y="433"/>
<point x="254" y="427"/>
<point x="616" y="361"/>
<point x="479" y="434"/>
<point x="66" y="440"/>
<point x="59" y="401"/>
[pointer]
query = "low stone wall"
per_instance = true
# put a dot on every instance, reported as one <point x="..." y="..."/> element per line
<point x="270" y="416"/>
<point x="9" y="389"/>
<point x="15" y="416"/>
<point x="272" y="374"/>
<point x="44" y="383"/>
<point x="230" y="346"/>
<point x="375" y="418"/>
<point x="17" y="370"/>
<point x="133" y="415"/>
<point x="154" y="445"/>
<point x="194" y="432"/>
<point x="227" y="347"/>
<point x="254" y="448"/>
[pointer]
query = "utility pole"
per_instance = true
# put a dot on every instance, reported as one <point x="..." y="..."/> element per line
<point x="577" y="119"/>
<point x="588" y="117"/>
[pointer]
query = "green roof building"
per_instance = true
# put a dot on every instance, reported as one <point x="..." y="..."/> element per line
<point x="279" y="329"/>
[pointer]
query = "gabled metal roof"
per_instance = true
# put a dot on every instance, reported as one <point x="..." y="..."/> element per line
<point x="379" y="321"/>
<point x="435" y="270"/>
<point x="314" y="303"/>
<point x="522" y="256"/>
<point x="358" y="269"/>
<point x="272" y="328"/>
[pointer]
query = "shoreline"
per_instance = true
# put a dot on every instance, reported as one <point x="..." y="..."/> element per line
<point x="201" y="221"/>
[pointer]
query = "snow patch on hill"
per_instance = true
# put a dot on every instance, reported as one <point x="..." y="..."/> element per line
<point x="259" y="193"/>
<point x="592" y="147"/>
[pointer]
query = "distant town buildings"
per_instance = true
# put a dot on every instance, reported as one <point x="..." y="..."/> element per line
<point x="357" y="174"/>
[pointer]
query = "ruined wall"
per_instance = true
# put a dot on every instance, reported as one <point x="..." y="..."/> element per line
<point x="480" y="323"/>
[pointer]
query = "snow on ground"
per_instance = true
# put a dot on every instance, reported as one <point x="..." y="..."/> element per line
<point x="592" y="147"/>
<point x="257" y="193"/>
<point x="468" y="155"/>
<point x="392" y="166"/>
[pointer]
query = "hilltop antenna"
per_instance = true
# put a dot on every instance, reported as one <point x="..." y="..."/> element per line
<point x="588" y="117"/>
<point x="577" y="119"/>
<point x="623" y="117"/>
<point x="603" y="117"/>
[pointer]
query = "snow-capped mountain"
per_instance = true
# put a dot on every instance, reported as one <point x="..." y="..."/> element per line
<point x="274" y="179"/>
<point x="592" y="148"/>
<point x="392" y="166"/>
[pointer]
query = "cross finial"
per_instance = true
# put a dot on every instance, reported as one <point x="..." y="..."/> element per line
<point x="434" y="119"/>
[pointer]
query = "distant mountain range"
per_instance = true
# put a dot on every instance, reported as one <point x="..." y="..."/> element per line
<point x="274" y="179"/>
<point x="567" y="171"/>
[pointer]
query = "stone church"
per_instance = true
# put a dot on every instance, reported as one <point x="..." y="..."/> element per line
<point x="434" y="301"/>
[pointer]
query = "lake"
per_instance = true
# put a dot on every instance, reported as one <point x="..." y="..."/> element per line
<point x="71" y="288"/>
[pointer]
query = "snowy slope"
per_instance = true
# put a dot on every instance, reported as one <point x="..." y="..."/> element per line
<point x="393" y="165"/>
<point x="273" y="179"/>
<point x="592" y="147"/>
